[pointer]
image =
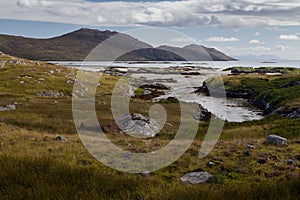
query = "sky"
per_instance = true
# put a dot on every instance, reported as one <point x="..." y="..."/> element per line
<point x="236" y="27"/>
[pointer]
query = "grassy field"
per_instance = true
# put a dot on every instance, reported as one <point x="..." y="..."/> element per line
<point x="34" y="165"/>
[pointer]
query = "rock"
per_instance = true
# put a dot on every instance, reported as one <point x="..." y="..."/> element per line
<point x="262" y="160"/>
<point x="196" y="178"/>
<point x="145" y="173"/>
<point x="247" y="153"/>
<point x="8" y="107"/>
<point x="156" y="86"/>
<point x="202" y="114"/>
<point x="50" y="94"/>
<point x="70" y="81"/>
<point x="276" y="140"/>
<point x="138" y="125"/>
<point x="291" y="161"/>
<point x="60" y="138"/>
<point x="250" y="146"/>
<point x="211" y="164"/>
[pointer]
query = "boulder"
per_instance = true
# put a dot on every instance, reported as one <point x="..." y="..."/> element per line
<point x="196" y="178"/>
<point x="276" y="140"/>
<point x="9" y="107"/>
<point x="60" y="138"/>
<point x="138" y="125"/>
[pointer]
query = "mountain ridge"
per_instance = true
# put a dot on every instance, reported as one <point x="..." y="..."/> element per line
<point x="77" y="45"/>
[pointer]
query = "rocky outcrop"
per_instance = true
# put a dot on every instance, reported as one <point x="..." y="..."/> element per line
<point x="276" y="140"/>
<point x="193" y="178"/>
<point x="151" y="91"/>
<point x="50" y="94"/>
<point x="9" y="107"/>
<point x="202" y="114"/>
<point x="138" y="125"/>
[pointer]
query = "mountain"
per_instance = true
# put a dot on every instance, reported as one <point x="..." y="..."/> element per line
<point x="196" y="52"/>
<point x="83" y="44"/>
<point x="263" y="57"/>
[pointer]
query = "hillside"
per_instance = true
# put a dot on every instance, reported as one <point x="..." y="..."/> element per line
<point x="78" y="44"/>
<point x="198" y="53"/>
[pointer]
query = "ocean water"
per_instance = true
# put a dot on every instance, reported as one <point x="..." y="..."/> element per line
<point x="212" y="64"/>
<point x="237" y="110"/>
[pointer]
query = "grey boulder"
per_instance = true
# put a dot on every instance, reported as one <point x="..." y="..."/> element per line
<point x="138" y="125"/>
<point x="196" y="178"/>
<point x="276" y="140"/>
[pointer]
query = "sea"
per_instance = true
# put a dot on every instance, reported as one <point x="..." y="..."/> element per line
<point x="230" y="109"/>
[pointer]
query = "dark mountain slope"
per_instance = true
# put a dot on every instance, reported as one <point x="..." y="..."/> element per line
<point x="78" y="45"/>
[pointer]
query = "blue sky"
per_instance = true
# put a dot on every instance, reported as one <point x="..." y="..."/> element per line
<point x="237" y="27"/>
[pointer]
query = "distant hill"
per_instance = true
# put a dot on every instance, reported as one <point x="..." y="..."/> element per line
<point x="196" y="52"/>
<point x="258" y="57"/>
<point x="77" y="45"/>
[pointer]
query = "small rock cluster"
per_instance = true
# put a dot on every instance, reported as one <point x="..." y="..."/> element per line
<point x="9" y="107"/>
<point x="196" y="178"/>
<point x="50" y="94"/>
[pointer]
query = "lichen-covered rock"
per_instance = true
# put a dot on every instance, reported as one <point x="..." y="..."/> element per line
<point x="276" y="140"/>
<point x="138" y="125"/>
<point x="8" y="107"/>
<point x="196" y="178"/>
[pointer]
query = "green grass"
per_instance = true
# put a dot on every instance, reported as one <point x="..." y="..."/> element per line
<point x="277" y="91"/>
<point x="35" y="166"/>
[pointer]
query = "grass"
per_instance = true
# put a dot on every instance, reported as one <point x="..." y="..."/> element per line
<point x="34" y="165"/>
<point x="276" y="91"/>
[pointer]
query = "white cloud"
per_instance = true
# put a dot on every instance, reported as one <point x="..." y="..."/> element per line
<point x="282" y="47"/>
<point x="222" y="39"/>
<point x="223" y="13"/>
<point x="289" y="37"/>
<point x="255" y="42"/>
<point x="257" y="33"/>
<point x="260" y="48"/>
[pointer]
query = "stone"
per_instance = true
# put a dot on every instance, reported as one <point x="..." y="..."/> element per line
<point x="138" y="125"/>
<point x="145" y="173"/>
<point x="50" y="94"/>
<point x="202" y="114"/>
<point x="196" y="178"/>
<point x="247" y="153"/>
<point x="291" y="161"/>
<point x="60" y="138"/>
<point x="276" y="140"/>
<point x="8" y="107"/>
<point x="250" y="146"/>
<point x="211" y="164"/>
<point x="262" y="160"/>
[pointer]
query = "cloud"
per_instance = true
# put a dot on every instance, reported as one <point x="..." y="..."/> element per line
<point x="222" y="13"/>
<point x="289" y="37"/>
<point x="255" y="42"/>
<point x="282" y="47"/>
<point x="260" y="48"/>
<point x="222" y="39"/>
<point x="257" y="33"/>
